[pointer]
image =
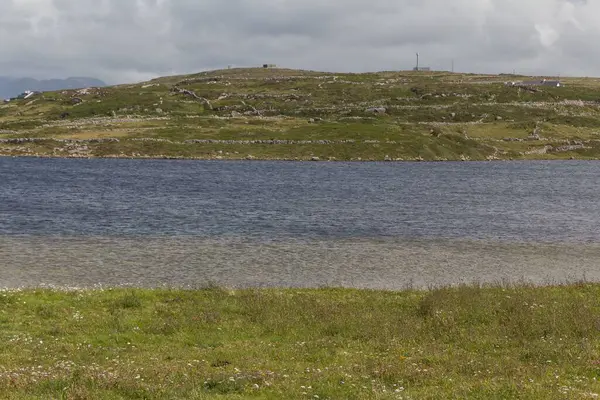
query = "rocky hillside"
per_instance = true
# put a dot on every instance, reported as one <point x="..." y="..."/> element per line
<point x="305" y="115"/>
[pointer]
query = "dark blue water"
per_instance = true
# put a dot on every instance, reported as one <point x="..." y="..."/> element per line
<point x="270" y="201"/>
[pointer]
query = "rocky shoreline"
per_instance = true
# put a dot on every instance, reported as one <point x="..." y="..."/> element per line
<point x="88" y="148"/>
<point x="290" y="159"/>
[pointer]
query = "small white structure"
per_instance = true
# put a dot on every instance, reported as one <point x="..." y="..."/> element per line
<point x="25" y="95"/>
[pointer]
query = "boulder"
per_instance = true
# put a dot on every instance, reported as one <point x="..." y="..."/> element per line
<point x="376" y="110"/>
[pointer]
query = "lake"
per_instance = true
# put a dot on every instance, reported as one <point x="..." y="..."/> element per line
<point x="81" y="223"/>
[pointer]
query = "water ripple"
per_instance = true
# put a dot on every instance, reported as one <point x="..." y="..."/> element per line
<point x="380" y="225"/>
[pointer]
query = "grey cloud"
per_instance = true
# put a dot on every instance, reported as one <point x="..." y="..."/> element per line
<point x="124" y="40"/>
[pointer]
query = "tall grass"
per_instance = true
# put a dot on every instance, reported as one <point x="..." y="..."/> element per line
<point x="462" y="342"/>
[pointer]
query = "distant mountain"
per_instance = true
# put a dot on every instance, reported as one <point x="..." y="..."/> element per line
<point x="12" y="87"/>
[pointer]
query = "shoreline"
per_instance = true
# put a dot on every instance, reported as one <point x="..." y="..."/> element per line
<point x="178" y="262"/>
<point x="303" y="160"/>
<point x="498" y="285"/>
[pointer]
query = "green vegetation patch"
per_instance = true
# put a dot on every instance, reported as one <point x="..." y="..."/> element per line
<point x="464" y="342"/>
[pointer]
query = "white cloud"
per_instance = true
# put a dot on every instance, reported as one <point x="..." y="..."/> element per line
<point x="548" y="35"/>
<point x="123" y="40"/>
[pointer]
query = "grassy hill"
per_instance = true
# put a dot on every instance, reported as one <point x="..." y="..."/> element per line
<point x="290" y="114"/>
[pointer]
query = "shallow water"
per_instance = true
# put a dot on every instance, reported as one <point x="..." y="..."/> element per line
<point x="368" y="225"/>
<point x="357" y="263"/>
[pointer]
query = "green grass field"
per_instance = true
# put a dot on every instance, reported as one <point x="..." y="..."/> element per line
<point x="427" y="116"/>
<point x="452" y="343"/>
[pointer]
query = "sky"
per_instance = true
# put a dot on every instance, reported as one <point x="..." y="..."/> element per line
<point x="133" y="40"/>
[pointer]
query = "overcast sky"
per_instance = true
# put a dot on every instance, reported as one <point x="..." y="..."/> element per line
<point x="131" y="40"/>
